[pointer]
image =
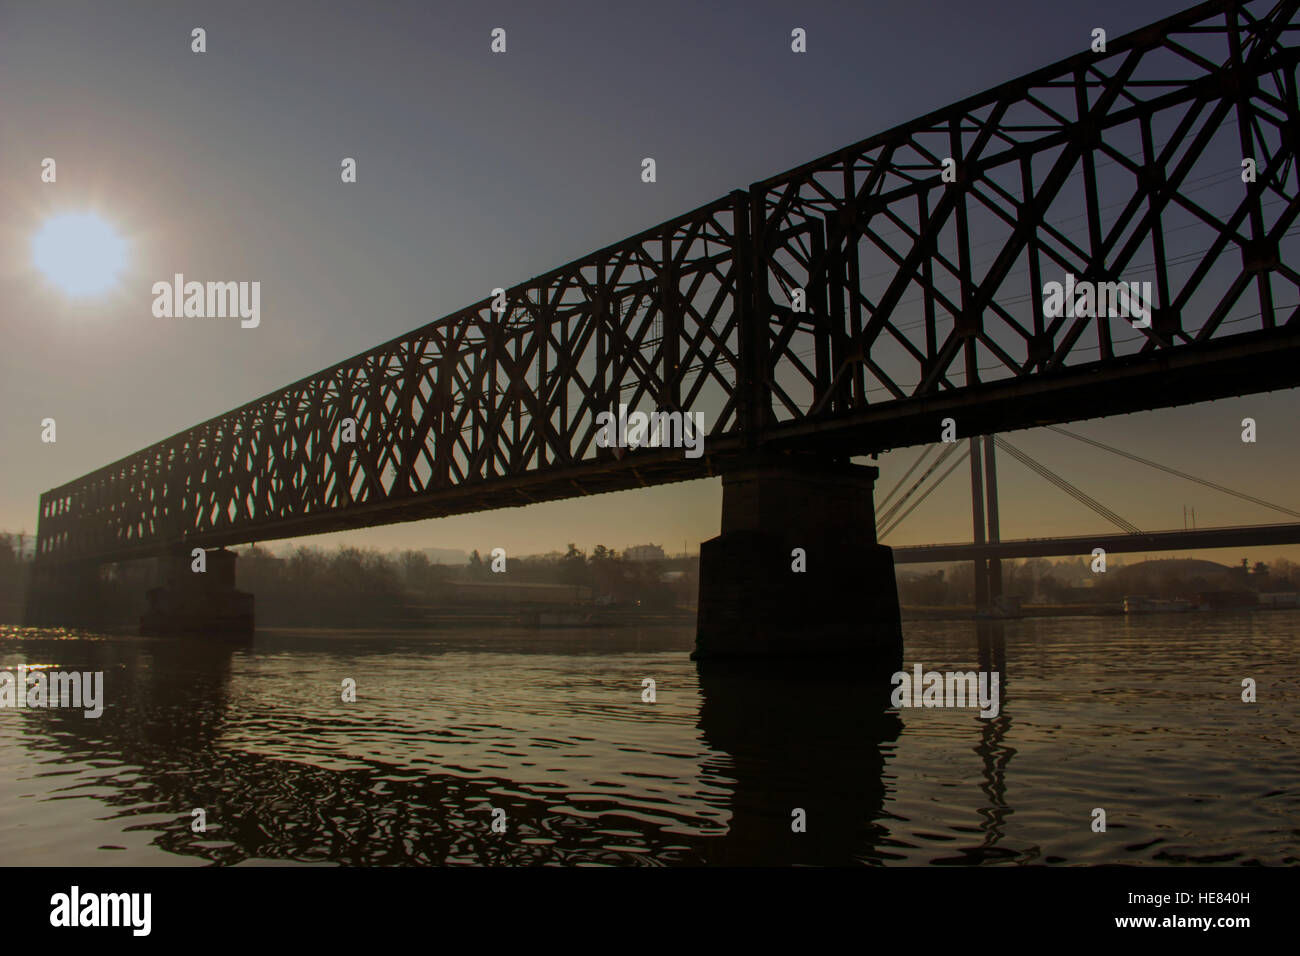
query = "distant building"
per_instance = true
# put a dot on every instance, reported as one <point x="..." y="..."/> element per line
<point x="644" y="552"/>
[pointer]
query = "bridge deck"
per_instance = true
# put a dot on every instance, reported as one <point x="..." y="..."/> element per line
<point x="1201" y="538"/>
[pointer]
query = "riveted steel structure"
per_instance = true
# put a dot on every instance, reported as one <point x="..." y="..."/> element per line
<point x="842" y="308"/>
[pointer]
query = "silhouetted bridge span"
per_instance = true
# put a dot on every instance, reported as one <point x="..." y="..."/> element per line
<point x="1260" y="535"/>
<point x="839" y="309"/>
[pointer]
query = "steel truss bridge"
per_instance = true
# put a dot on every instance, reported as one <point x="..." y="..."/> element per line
<point x="923" y="300"/>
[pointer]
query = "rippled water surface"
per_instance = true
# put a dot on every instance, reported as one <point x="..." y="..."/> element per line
<point x="1142" y="717"/>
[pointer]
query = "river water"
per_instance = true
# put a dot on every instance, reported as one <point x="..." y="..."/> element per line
<point x="1141" y="717"/>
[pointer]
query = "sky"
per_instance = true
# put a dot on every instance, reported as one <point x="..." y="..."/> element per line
<point x="476" y="170"/>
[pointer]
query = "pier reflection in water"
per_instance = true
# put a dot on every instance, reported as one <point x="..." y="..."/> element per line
<point x="551" y="727"/>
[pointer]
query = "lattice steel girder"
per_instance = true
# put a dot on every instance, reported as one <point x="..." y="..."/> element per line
<point x="860" y="229"/>
<point x="484" y="408"/>
<point x="921" y="296"/>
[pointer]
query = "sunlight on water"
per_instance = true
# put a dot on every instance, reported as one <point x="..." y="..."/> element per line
<point x="1142" y="717"/>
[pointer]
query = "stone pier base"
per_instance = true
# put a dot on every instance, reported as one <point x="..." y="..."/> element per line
<point x="756" y="607"/>
<point x="190" y="602"/>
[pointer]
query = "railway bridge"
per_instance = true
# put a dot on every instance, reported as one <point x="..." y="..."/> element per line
<point x="867" y="300"/>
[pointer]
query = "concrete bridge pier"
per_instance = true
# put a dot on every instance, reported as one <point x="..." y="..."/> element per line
<point x="797" y="574"/>
<point x="192" y="602"/>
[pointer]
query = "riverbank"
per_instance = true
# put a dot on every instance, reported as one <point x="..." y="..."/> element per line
<point x="966" y="612"/>
<point x="408" y="618"/>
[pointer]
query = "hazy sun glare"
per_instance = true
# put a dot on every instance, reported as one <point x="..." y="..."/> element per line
<point x="79" y="252"/>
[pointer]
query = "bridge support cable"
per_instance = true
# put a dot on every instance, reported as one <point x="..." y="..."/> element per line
<point x="925" y="452"/>
<point x="1083" y="498"/>
<point x="1174" y="471"/>
<point x="953" y="467"/>
<point x="883" y="517"/>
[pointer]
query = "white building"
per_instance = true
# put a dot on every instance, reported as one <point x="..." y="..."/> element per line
<point x="644" y="552"/>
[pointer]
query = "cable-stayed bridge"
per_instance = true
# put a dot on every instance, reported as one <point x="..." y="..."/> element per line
<point x="988" y="548"/>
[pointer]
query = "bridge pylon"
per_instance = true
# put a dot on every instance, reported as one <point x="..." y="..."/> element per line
<point x="797" y="574"/>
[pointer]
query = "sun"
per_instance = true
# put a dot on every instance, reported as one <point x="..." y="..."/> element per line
<point x="79" y="252"/>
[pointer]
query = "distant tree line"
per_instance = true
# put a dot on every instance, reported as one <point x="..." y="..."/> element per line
<point x="352" y="585"/>
<point x="1072" y="581"/>
<point x="310" y="585"/>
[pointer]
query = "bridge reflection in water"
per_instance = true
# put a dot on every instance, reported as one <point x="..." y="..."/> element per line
<point x="552" y="729"/>
<point x="769" y="744"/>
